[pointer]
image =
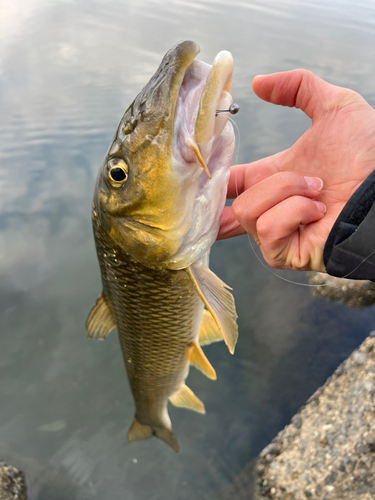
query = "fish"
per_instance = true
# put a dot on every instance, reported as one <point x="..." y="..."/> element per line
<point x="157" y="203"/>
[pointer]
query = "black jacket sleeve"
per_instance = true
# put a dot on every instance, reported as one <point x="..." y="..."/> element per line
<point x="350" y="248"/>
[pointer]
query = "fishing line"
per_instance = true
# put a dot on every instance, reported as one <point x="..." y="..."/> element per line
<point x="251" y="245"/>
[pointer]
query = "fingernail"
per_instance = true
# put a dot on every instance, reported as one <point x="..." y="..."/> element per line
<point x="314" y="183"/>
<point x="321" y="207"/>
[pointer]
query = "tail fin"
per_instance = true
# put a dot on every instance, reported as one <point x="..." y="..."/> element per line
<point x="167" y="436"/>
<point x="138" y="432"/>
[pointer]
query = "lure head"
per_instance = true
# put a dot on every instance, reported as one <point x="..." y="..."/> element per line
<point x="152" y="195"/>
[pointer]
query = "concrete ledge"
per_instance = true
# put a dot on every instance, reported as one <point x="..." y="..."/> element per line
<point x="353" y="293"/>
<point x="328" y="450"/>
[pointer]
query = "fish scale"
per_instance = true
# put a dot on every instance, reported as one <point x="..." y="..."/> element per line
<point x="157" y="320"/>
<point x="156" y="213"/>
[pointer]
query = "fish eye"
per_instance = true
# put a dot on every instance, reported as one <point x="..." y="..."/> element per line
<point x="117" y="172"/>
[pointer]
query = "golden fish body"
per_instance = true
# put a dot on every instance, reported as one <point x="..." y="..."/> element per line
<point x="157" y="313"/>
<point x="154" y="220"/>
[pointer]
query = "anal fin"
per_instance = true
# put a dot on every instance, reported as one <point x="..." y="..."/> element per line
<point x="198" y="359"/>
<point x="217" y="298"/>
<point x="209" y="331"/>
<point x="139" y="432"/>
<point x="100" y="321"/>
<point x="185" y="398"/>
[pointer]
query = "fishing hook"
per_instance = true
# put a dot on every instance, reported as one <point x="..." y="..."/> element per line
<point x="233" y="109"/>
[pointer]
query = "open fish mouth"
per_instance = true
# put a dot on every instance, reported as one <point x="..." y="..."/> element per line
<point x="156" y="214"/>
<point x="177" y="151"/>
<point x="202" y="146"/>
<point x="197" y="128"/>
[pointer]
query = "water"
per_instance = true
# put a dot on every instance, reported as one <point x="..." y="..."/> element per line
<point x="68" y="70"/>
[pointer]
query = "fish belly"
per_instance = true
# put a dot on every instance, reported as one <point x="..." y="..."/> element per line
<point x="158" y="314"/>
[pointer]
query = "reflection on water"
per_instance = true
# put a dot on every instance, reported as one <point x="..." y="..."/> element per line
<point x="67" y="73"/>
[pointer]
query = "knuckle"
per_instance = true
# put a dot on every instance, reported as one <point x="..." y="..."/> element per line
<point x="236" y="209"/>
<point x="289" y="182"/>
<point x="298" y="204"/>
<point x="263" y="228"/>
<point x="306" y="73"/>
<point x="243" y="211"/>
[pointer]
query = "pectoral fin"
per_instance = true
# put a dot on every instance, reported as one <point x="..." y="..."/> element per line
<point x="209" y="331"/>
<point x="100" y="321"/>
<point x="198" y="359"/>
<point x="217" y="299"/>
<point x="185" y="398"/>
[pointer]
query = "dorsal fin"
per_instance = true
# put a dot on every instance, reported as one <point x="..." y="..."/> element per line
<point x="100" y="321"/>
<point x="185" y="398"/>
<point x="209" y="331"/>
<point x="198" y="359"/>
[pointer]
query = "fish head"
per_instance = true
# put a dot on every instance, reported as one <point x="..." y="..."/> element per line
<point x="162" y="186"/>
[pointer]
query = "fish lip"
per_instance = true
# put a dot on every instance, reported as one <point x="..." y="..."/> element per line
<point x="186" y="148"/>
<point x="208" y="193"/>
<point x="158" y="119"/>
<point x="153" y="109"/>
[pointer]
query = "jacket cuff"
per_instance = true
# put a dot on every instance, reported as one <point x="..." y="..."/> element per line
<point x="349" y="251"/>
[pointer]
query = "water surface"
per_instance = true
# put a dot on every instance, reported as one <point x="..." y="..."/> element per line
<point x="68" y="70"/>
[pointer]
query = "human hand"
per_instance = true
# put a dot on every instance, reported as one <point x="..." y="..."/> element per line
<point x="288" y="219"/>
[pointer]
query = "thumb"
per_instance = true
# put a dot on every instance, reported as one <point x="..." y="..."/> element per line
<point x="302" y="89"/>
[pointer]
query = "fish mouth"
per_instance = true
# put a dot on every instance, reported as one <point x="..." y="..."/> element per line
<point x="198" y="129"/>
<point x="179" y="152"/>
<point x="202" y="145"/>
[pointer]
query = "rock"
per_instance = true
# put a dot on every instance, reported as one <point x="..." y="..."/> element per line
<point x="359" y="357"/>
<point x="297" y="421"/>
<point x="353" y="293"/>
<point x="271" y="449"/>
<point x="369" y="385"/>
<point x="328" y="449"/>
<point x="12" y="483"/>
<point x="330" y="479"/>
